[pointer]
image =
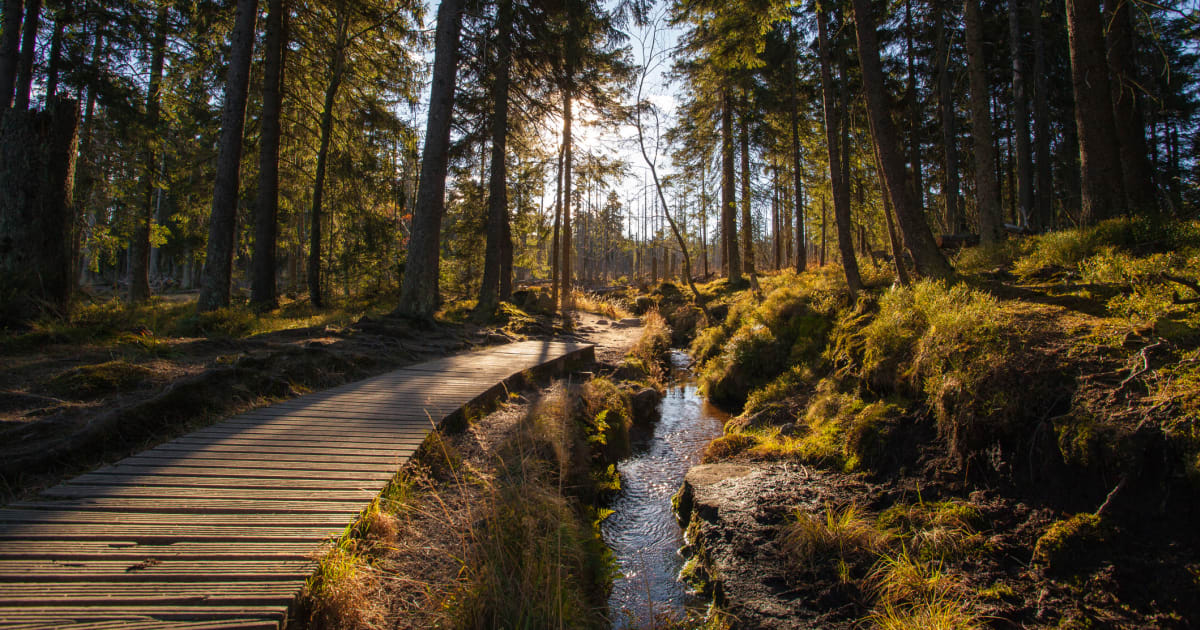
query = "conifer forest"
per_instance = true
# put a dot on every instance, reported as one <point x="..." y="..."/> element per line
<point x="847" y="313"/>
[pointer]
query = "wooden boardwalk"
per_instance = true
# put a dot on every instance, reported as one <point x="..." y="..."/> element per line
<point x="220" y="528"/>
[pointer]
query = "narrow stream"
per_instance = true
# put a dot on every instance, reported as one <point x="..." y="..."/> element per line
<point x="643" y="533"/>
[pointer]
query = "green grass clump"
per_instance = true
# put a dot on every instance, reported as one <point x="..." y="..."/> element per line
<point x="1069" y="544"/>
<point x="338" y="594"/>
<point x="934" y="530"/>
<point x="647" y="359"/>
<point x="791" y="383"/>
<point x="606" y="416"/>
<point x="946" y="613"/>
<point x="947" y="345"/>
<point x="759" y="341"/>
<point x="1064" y="250"/>
<point x="910" y="587"/>
<point x="533" y="564"/>
<point x="90" y="381"/>
<point x="901" y="577"/>
<point x="836" y="538"/>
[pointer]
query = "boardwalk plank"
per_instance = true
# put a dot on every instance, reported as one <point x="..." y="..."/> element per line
<point x="219" y="528"/>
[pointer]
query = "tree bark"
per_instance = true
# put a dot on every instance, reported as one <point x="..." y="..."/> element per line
<point x="139" y="247"/>
<point x="704" y="214"/>
<point x="837" y="178"/>
<point x="1102" y="186"/>
<point x="29" y="32"/>
<point x="564" y="293"/>
<point x="914" y="113"/>
<point x="218" y="267"/>
<point x="747" y="192"/>
<point x="498" y="184"/>
<point x="1127" y="108"/>
<point x="954" y="217"/>
<point x="263" y="293"/>
<point x="1043" y="218"/>
<point x="733" y="264"/>
<point x="54" y="63"/>
<point x="915" y="231"/>
<point x="1024" y="152"/>
<point x="336" y="71"/>
<point x="419" y="289"/>
<point x="37" y="166"/>
<point x="987" y="187"/>
<point x="555" y="260"/>
<point x="10" y="52"/>
<point x="798" y="183"/>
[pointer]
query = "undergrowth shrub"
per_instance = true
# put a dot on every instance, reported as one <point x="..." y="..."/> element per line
<point x="945" y="344"/>
<point x="759" y="341"/>
<point x="606" y="415"/>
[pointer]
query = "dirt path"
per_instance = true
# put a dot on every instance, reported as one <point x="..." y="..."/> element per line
<point x="613" y="340"/>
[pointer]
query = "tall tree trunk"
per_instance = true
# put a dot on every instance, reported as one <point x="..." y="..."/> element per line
<point x="419" y="289"/>
<point x="498" y="184"/>
<point x="555" y="259"/>
<point x="704" y="215"/>
<point x="1103" y="182"/>
<point x="29" y="32"/>
<point x="564" y="294"/>
<point x="10" y="53"/>
<point x="54" y="64"/>
<point x="218" y="267"/>
<point x="139" y="247"/>
<point x="893" y="238"/>
<point x="263" y="293"/>
<point x="336" y="71"/>
<point x="798" y="180"/>
<point x="776" y="231"/>
<point x="733" y="264"/>
<point x="987" y="186"/>
<point x="1127" y="108"/>
<point x="954" y="215"/>
<point x="837" y="177"/>
<point x="918" y="239"/>
<point x="1041" y="124"/>
<point x="914" y="113"/>
<point x="824" y="212"/>
<point x="1024" y="152"/>
<point x="747" y="190"/>
<point x="37" y="164"/>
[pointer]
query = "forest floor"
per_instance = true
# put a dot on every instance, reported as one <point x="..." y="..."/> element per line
<point x="117" y="379"/>
<point x="1017" y="449"/>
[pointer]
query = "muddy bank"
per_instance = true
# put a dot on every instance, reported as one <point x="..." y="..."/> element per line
<point x="732" y="515"/>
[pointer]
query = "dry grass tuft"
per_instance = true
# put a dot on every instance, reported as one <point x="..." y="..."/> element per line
<point x="600" y="305"/>
<point x="938" y="614"/>
<point x="839" y="535"/>
<point x="340" y="595"/>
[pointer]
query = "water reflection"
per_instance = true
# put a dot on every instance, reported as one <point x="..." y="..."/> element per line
<point x="643" y="533"/>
